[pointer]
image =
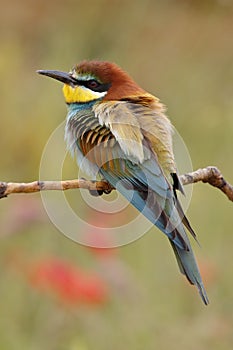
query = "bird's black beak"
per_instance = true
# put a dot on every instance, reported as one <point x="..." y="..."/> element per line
<point x="64" y="77"/>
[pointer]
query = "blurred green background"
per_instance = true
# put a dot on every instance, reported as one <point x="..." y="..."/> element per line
<point x="180" y="50"/>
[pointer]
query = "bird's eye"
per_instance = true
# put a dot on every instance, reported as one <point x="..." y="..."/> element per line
<point x="93" y="84"/>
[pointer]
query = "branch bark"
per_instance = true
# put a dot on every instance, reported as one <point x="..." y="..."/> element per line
<point x="211" y="175"/>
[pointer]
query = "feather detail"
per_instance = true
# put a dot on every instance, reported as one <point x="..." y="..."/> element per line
<point x="188" y="266"/>
<point x="124" y="126"/>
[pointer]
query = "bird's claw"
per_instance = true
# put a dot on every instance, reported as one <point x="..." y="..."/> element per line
<point x="96" y="193"/>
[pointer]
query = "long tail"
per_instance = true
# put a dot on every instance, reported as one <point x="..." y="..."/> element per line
<point x="188" y="267"/>
<point x="177" y="237"/>
<point x="170" y="220"/>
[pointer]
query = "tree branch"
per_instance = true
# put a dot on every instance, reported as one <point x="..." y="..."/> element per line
<point x="210" y="175"/>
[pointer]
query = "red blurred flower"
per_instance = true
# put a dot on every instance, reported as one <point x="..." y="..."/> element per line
<point x="67" y="282"/>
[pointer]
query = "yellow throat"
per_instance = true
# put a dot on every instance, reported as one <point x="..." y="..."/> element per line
<point x="79" y="94"/>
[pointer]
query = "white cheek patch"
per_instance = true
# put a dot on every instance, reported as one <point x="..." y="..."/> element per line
<point x="95" y="94"/>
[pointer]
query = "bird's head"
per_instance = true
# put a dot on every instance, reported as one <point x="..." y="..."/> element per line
<point x="94" y="80"/>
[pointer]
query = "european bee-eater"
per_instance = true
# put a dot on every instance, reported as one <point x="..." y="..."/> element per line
<point x="120" y="131"/>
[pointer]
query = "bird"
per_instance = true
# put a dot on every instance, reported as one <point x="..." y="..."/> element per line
<point x="121" y="132"/>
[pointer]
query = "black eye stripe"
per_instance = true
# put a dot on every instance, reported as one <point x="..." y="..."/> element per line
<point x="90" y="84"/>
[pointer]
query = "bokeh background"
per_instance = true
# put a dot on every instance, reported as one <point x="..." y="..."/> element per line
<point x="56" y="294"/>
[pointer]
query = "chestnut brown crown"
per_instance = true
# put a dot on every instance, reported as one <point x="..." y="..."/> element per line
<point x="120" y="84"/>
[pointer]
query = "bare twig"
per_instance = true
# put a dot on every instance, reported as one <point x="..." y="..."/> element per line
<point x="212" y="176"/>
<point x="7" y="188"/>
<point x="209" y="175"/>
